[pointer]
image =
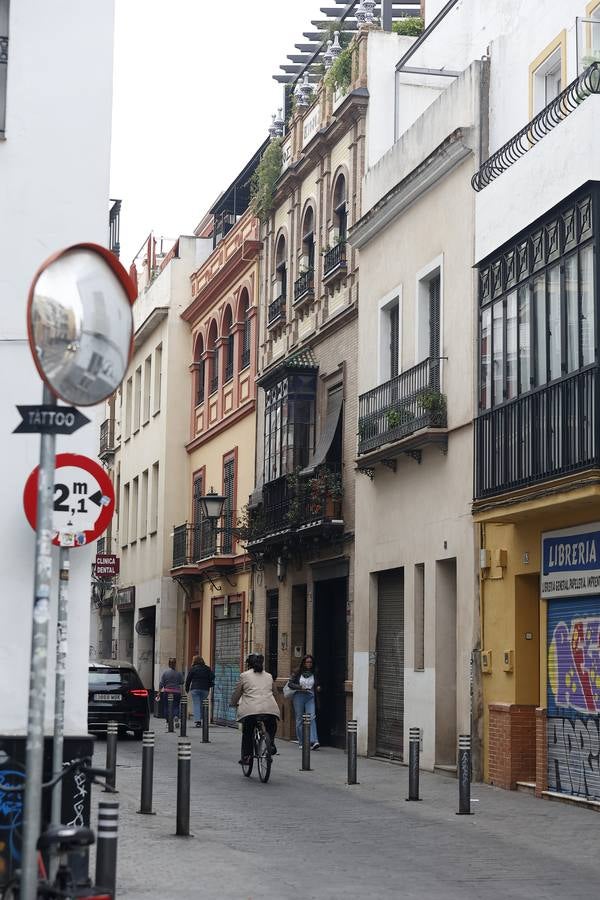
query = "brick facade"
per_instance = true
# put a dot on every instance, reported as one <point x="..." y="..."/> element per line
<point x="541" y="754"/>
<point x="512" y="744"/>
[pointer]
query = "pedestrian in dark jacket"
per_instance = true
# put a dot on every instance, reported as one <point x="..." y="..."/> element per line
<point x="199" y="681"/>
<point x="170" y="683"/>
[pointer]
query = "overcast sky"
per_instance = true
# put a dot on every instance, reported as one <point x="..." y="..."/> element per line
<point x="193" y="99"/>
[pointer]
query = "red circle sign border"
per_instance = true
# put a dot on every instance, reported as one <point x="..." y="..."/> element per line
<point x="92" y="468"/>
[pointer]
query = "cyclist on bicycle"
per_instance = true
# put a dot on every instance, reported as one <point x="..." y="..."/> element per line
<point x="254" y="696"/>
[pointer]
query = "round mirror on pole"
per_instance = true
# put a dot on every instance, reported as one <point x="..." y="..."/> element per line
<point x="80" y="323"/>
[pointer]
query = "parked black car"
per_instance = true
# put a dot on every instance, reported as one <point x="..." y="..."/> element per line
<point x="116" y="694"/>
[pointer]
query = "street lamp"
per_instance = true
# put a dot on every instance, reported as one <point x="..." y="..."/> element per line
<point x="212" y="505"/>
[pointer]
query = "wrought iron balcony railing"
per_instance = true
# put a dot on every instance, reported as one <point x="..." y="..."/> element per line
<point x="194" y="543"/>
<point x="335" y="260"/>
<point x="214" y="383"/>
<point x="400" y="407"/>
<point x="549" y="432"/>
<point x="304" y="286"/>
<point x="276" y="311"/>
<point x="561" y="107"/>
<point x="114" y="225"/>
<point x="107" y="437"/>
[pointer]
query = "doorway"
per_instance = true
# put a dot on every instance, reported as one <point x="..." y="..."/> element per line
<point x="331" y="658"/>
<point x="389" y="672"/>
<point x="146" y="630"/>
<point x="445" y="662"/>
<point x="272" y="632"/>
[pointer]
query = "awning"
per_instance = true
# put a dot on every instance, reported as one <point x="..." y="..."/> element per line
<point x="334" y="409"/>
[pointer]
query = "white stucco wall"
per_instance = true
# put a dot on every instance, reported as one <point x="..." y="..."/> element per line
<point x="54" y="191"/>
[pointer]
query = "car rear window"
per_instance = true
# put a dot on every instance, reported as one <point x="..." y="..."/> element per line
<point x="113" y="678"/>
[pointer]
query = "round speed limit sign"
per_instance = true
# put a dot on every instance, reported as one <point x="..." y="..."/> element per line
<point x="84" y="499"/>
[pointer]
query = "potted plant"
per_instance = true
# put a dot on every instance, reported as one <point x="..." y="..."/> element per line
<point x="432" y="401"/>
<point x="397" y="417"/>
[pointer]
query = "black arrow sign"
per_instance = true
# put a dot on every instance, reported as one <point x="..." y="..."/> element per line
<point x="50" y="420"/>
<point x="97" y="498"/>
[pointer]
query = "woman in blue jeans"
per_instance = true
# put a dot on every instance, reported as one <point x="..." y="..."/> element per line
<point x="304" y="683"/>
<point x="199" y="681"/>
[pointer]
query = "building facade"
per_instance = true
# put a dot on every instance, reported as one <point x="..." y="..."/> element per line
<point x="138" y="618"/>
<point x="536" y="432"/>
<point x="415" y="576"/>
<point x="209" y="563"/>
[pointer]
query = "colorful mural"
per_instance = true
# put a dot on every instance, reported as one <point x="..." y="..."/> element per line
<point x="574" y="666"/>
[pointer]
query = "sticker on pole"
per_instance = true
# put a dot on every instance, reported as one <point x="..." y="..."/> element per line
<point x="84" y="499"/>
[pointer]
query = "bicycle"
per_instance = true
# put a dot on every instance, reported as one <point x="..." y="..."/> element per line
<point x="62" y="840"/>
<point x="262" y="752"/>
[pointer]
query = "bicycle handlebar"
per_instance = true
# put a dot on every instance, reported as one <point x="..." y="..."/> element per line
<point x="83" y="764"/>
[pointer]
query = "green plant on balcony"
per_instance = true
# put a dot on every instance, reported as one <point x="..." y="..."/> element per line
<point x="339" y="77"/>
<point x="409" y="26"/>
<point x="264" y="181"/>
<point x="325" y="491"/>
<point x="433" y="402"/>
<point x="251" y="524"/>
<point x="397" y="417"/>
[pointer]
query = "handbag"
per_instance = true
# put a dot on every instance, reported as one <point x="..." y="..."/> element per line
<point x="288" y="692"/>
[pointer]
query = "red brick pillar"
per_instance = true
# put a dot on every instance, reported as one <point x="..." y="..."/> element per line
<point x="541" y="751"/>
<point x="512" y="744"/>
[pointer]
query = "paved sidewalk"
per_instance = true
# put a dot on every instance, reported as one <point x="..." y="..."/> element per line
<point x="309" y="835"/>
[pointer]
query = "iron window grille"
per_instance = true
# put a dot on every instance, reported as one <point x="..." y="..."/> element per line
<point x="245" y="362"/>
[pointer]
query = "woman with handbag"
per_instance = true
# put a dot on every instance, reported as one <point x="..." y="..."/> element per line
<point x="303" y="684"/>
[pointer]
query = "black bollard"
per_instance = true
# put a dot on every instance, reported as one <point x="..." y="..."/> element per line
<point x="184" y="765"/>
<point x="170" y="723"/>
<point x="464" y="775"/>
<point x="106" y="846"/>
<point x="205" y="720"/>
<point x="147" y="773"/>
<point x="414" y="747"/>
<point x="306" y="743"/>
<point x="112" y="735"/>
<point x="157" y="711"/>
<point x="352" y="750"/>
<point x="183" y="716"/>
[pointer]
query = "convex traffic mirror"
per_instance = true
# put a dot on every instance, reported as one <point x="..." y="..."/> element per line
<point x="80" y="323"/>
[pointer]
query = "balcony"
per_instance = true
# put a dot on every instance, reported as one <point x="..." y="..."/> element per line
<point x="550" y="432"/>
<point x="114" y="224"/>
<point x="196" y="545"/>
<point x="304" y="287"/>
<point x="107" y="438"/>
<point x="276" y="311"/>
<point x="298" y="508"/>
<point x="334" y="263"/>
<point x="408" y="411"/>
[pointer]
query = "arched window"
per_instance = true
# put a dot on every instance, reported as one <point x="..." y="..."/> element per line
<point x="200" y="365"/>
<point x="340" y="211"/>
<point x="214" y="358"/>
<point x="245" y="317"/>
<point x="228" y="343"/>
<point x="281" y="267"/>
<point x="308" y="238"/>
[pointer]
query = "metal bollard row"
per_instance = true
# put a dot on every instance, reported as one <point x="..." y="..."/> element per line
<point x="112" y="736"/>
<point x="352" y="750"/>
<point x="170" y="721"/>
<point x="184" y="765"/>
<point x="147" y="773"/>
<point x="106" y="846"/>
<point x="464" y="775"/>
<point x="414" y="748"/>
<point x="183" y="716"/>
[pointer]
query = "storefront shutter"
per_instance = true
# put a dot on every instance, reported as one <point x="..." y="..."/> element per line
<point x="390" y="663"/>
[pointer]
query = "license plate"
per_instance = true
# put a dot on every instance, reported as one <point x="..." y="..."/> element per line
<point x="107" y="697"/>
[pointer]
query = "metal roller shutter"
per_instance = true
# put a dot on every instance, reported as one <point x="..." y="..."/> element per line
<point x="574" y="697"/>
<point x="228" y="640"/>
<point x="390" y="663"/>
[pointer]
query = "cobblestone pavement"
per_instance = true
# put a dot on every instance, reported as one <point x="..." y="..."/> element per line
<point x="309" y="835"/>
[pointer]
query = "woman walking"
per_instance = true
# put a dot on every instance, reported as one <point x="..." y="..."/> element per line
<point x="304" y="684"/>
<point x="199" y="681"/>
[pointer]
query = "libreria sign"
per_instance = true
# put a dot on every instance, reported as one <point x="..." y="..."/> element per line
<point x="571" y="561"/>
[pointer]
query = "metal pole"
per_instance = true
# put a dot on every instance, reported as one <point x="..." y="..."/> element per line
<point x="306" y="743"/>
<point x="59" y="694"/>
<point x="170" y="724"/>
<point x="184" y="765"/>
<point x="147" y="773"/>
<point x="352" y="739"/>
<point x="106" y="846"/>
<point x="414" y="747"/>
<point x="205" y="720"/>
<point x="183" y="715"/>
<point x="112" y="735"/>
<point x="34" y="755"/>
<point x="464" y="775"/>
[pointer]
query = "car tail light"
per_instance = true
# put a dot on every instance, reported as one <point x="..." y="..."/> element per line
<point x="96" y="897"/>
<point x="139" y="692"/>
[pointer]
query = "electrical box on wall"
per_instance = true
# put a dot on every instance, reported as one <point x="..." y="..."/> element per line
<point x="486" y="661"/>
<point x="507" y="660"/>
<point x="500" y="558"/>
<point x="484" y="558"/>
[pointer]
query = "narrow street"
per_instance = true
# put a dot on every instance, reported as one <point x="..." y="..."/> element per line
<point x="310" y="835"/>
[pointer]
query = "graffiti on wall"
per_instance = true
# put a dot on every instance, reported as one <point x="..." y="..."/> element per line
<point x="574" y="756"/>
<point x="11" y="818"/>
<point x="574" y="666"/>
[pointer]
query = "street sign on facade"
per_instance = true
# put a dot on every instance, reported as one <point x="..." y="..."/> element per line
<point x="42" y="419"/>
<point x="84" y="499"/>
<point x="107" y="565"/>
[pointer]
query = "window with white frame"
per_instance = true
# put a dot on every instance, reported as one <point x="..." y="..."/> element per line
<point x="389" y="338"/>
<point x="429" y="318"/>
<point x="147" y="387"/>
<point x="4" y="7"/>
<point x="547" y="79"/>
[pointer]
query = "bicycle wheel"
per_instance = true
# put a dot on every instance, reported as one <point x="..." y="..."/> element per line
<point x="264" y="758"/>
<point x="247" y="767"/>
